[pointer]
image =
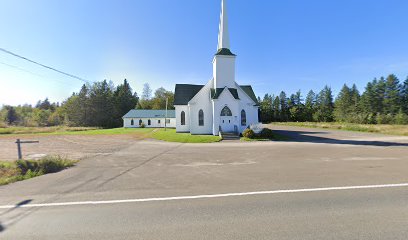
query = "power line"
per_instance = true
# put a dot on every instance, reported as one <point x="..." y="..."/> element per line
<point x="32" y="73"/>
<point x="45" y="66"/>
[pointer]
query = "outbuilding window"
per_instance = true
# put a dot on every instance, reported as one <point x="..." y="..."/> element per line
<point x="201" y="118"/>
<point x="183" y="118"/>
<point x="243" y="118"/>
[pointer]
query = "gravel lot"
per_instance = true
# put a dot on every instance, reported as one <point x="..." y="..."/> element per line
<point x="71" y="146"/>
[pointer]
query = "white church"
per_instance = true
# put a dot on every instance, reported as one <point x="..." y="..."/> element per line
<point x="222" y="105"/>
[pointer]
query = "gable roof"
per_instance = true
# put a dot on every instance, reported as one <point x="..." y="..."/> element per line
<point x="215" y="93"/>
<point x="250" y="92"/>
<point x="185" y="92"/>
<point x="150" y="114"/>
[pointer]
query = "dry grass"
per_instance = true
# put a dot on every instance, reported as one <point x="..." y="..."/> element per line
<point x="400" y="130"/>
<point x="44" y="130"/>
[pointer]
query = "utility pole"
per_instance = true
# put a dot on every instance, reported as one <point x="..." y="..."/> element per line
<point x="165" y="119"/>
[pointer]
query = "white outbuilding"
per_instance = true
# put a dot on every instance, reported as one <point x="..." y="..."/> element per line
<point x="222" y="105"/>
<point x="150" y="119"/>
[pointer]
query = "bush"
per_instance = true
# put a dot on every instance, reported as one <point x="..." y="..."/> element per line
<point x="266" y="133"/>
<point x="248" y="133"/>
<point x="49" y="164"/>
<point x="142" y="125"/>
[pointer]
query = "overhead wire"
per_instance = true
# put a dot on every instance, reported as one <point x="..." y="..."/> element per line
<point x="45" y="66"/>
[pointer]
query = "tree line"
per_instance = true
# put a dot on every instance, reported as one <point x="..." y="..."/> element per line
<point x="384" y="101"/>
<point x="100" y="104"/>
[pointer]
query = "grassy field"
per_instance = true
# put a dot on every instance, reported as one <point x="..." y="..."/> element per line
<point x="171" y="136"/>
<point x="400" y="130"/>
<point x="25" y="169"/>
<point x="70" y="131"/>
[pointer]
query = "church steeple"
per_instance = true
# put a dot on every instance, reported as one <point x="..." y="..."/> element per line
<point x="223" y="35"/>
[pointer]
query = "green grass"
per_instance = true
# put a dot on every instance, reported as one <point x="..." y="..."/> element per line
<point x="399" y="130"/>
<point x="25" y="169"/>
<point x="171" y="136"/>
<point x="15" y="131"/>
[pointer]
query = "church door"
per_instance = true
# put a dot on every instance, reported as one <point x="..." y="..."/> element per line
<point x="226" y="121"/>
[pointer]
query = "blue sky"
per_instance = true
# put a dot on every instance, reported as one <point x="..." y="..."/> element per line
<point x="281" y="45"/>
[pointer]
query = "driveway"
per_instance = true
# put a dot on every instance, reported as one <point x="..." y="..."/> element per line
<point x="229" y="190"/>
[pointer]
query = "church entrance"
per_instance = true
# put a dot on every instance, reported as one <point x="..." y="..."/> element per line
<point x="227" y="121"/>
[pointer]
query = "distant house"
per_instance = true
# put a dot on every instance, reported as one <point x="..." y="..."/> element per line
<point x="150" y="118"/>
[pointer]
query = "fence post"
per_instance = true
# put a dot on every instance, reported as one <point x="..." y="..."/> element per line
<point x="20" y="156"/>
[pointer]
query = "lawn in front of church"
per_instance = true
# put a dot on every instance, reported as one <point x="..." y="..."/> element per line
<point x="170" y="135"/>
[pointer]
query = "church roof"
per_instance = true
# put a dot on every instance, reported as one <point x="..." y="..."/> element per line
<point x="250" y="92"/>
<point x="185" y="92"/>
<point x="135" y="113"/>
<point x="215" y="93"/>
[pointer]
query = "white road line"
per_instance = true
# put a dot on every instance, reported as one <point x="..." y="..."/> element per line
<point x="205" y="196"/>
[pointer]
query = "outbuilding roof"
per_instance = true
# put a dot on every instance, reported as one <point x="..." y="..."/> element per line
<point x="135" y="113"/>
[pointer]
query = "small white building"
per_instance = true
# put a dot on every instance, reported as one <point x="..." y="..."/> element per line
<point x="150" y="118"/>
<point x="222" y="105"/>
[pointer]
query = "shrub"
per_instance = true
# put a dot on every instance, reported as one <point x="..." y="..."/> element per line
<point x="266" y="133"/>
<point x="142" y="125"/>
<point x="49" y="164"/>
<point x="248" y="133"/>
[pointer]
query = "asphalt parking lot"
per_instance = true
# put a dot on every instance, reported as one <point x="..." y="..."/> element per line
<point x="156" y="190"/>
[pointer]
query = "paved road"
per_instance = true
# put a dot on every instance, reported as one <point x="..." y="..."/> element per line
<point x="152" y="169"/>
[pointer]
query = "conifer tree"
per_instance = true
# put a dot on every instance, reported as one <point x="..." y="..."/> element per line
<point x="310" y="105"/>
<point x="392" y="97"/>
<point x="324" y="106"/>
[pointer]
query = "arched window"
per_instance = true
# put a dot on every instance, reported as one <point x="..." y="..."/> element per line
<point x="140" y="122"/>
<point x="149" y="122"/>
<point x="132" y="122"/>
<point x="226" y="112"/>
<point x="183" y="118"/>
<point x="201" y="118"/>
<point x="243" y="118"/>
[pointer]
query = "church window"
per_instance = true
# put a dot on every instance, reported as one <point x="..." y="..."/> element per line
<point x="132" y="122"/>
<point x="243" y="118"/>
<point x="140" y="122"/>
<point x="183" y="118"/>
<point x="226" y="112"/>
<point x="158" y="121"/>
<point x="149" y="122"/>
<point x="201" y="118"/>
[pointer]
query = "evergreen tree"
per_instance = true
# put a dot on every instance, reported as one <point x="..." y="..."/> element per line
<point x="276" y="109"/>
<point x="404" y="96"/>
<point x="392" y="98"/>
<point x="125" y="100"/>
<point x="284" y="108"/>
<point x="296" y="107"/>
<point x="266" y="109"/>
<point x="310" y="106"/>
<point x="11" y="117"/>
<point x="324" y="106"/>
<point x="343" y="104"/>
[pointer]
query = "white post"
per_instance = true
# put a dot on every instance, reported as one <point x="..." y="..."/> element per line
<point x="165" y="119"/>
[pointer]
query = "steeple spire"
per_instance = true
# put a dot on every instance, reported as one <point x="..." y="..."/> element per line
<point x="223" y="36"/>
